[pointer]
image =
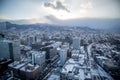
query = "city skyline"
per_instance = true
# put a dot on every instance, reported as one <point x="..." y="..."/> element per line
<point x="59" y="40"/>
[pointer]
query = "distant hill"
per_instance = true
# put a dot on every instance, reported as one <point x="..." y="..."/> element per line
<point x="50" y="27"/>
<point x="112" y="25"/>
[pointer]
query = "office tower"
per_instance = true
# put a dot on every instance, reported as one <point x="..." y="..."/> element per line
<point x="63" y="56"/>
<point x="76" y="43"/>
<point x="51" y="53"/>
<point x="9" y="50"/>
<point x="16" y="49"/>
<point x="31" y="40"/>
<point x="38" y="58"/>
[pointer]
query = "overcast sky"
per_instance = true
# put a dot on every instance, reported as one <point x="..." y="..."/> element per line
<point x="43" y="10"/>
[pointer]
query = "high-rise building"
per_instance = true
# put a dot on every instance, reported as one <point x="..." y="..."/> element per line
<point x="51" y="53"/>
<point x="76" y="43"/>
<point x="38" y="38"/>
<point x="63" y="56"/>
<point x="31" y="40"/>
<point x="10" y="49"/>
<point x="38" y="58"/>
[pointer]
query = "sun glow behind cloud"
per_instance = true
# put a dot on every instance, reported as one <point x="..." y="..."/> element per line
<point x="36" y="10"/>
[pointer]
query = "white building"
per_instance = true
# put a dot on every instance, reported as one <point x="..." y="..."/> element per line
<point x="76" y="43"/>
<point x="38" y="58"/>
<point x="10" y="50"/>
<point x="75" y="54"/>
<point x="75" y="70"/>
<point x="54" y="77"/>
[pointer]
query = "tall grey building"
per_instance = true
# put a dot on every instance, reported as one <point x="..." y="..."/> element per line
<point x="63" y="56"/>
<point x="9" y="50"/>
<point x="76" y="43"/>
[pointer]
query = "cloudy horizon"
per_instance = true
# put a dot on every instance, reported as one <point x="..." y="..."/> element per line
<point x="66" y="12"/>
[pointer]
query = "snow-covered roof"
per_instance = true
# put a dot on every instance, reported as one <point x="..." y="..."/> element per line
<point x="16" y="65"/>
<point x="54" y="77"/>
<point x="30" y="69"/>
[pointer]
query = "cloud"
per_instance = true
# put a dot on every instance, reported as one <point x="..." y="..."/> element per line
<point x="53" y="19"/>
<point x="90" y="22"/>
<point x="87" y="5"/>
<point x="58" y="6"/>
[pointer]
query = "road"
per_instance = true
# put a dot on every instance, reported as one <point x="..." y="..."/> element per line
<point x="100" y="71"/>
<point x="48" y="70"/>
